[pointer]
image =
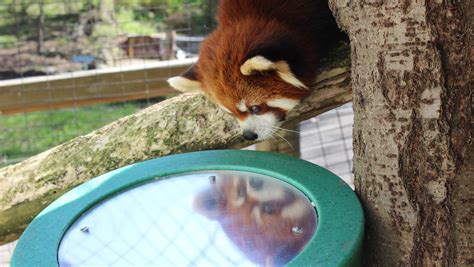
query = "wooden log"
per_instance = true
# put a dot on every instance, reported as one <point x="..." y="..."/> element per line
<point x="185" y="123"/>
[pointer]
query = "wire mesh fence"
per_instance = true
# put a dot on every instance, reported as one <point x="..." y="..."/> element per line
<point x="93" y="62"/>
<point x="69" y="67"/>
<point x="327" y="141"/>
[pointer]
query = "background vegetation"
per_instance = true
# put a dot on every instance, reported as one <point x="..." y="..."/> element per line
<point x="41" y="37"/>
<point x="20" y="19"/>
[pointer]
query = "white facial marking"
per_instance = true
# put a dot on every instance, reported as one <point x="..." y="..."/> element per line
<point x="294" y="211"/>
<point x="268" y="192"/>
<point x="263" y="125"/>
<point x="260" y="63"/>
<point x="241" y="106"/>
<point x="238" y="202"/>
<point x="224" y="108"/>
<point x="183" y="84"/>
<point x="283" y="103"/>
<point x="256" y="215"/>
<point x="286" y="75"/>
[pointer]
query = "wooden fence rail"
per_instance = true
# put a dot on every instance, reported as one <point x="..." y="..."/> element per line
<point x="89" y="87"/>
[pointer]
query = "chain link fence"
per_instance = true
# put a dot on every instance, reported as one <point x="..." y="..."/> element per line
<point x="72" y="66"/>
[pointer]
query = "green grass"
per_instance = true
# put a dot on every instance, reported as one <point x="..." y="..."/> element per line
<point x="25" y="135"/>
<point x="7" y="41"/>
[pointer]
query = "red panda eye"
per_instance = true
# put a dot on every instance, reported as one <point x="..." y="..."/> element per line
<point x="268" y="208"/>
<point x="256" y="183"/>
<point x="210" y="203"/>
<point x="255" y="109"/>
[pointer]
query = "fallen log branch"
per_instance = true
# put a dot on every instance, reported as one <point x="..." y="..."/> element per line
<point x="181" y="124"/>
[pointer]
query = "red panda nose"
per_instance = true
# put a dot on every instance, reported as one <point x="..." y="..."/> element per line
<point x="249" y="135"/>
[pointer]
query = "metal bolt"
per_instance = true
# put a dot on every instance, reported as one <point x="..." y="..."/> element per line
<point x="212" y="179"/>
<point x="297" y="230"/>
<point x="85" y="229"/>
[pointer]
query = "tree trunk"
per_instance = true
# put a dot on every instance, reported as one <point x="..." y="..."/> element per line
<point x="210" y="12"/>
<point x="410" y="75"/>
<point x="185" y="123"/>
<point x="107" y="11"/>
<point x="168" y="46"/>
<point x="40" y="47"/>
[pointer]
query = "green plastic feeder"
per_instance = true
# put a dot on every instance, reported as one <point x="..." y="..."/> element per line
<point x="212" y="208"/>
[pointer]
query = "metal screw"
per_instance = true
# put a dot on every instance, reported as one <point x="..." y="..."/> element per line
<point x="85" y="229"/>
<point x="212" y="179"/>
<point x="297" y="230"/>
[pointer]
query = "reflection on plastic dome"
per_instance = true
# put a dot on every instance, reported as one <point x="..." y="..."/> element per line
<point x="212" y="218"/>
<point x="268" y="220"/>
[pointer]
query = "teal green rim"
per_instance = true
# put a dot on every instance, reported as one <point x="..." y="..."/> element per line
<point x="338" y="237"/>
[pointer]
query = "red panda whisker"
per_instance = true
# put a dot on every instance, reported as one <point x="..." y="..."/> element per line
<point x="272" y="130"/>
<point x="273" y="141"/>
<point x="286" y="130"/>
<point x="286" y="141"/>
<point x="237" y="131"/>
<point x="235" y="136"/>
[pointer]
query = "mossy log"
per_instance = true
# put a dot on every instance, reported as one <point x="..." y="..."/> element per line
<point x="181" y="124"/>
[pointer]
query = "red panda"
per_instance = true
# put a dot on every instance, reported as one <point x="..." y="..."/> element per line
<point x="261" y="60"/>
<point x="259" y="217"/>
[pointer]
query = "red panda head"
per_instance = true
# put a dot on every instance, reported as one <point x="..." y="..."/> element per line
<point x="255" y="74"/>
<point x="258" y="216"/>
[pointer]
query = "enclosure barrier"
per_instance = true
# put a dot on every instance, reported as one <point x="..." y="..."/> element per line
<point x="89" y="87"/>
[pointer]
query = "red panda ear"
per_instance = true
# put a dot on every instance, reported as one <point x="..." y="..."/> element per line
<point x="186" y="82"/>
<point x="260" y="64"/>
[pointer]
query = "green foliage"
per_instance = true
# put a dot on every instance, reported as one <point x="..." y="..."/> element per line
<point x="132" y="16"/>
<point x="129" y="23"/>
<point x="19" y="21"/>
<point x="104" y="30"/>
<point x="53" y="9"/>
<point x="25" y="135"/>
<point x="7" y="41"/>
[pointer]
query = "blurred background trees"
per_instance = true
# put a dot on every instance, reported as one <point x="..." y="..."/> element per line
<point x="53" y="31"/>
<point x="49" y="37"/>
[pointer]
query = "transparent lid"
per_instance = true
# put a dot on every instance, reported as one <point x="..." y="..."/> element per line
<point x="212" y="218"/>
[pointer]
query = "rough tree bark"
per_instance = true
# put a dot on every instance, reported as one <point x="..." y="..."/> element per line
<point x="185" y="123"/>
<point x="410" y="77"/>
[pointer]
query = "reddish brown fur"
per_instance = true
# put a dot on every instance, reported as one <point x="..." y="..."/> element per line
<point x="278" y="29"/>
<point x="270" y="239"/>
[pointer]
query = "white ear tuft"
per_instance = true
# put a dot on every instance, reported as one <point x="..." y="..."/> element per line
<point x="287" y="75"/>
<point x="184" y="84"/>
<point x="257" y="63"/>
<point x="260" y="63"/>
<point x="283" y="103"/>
